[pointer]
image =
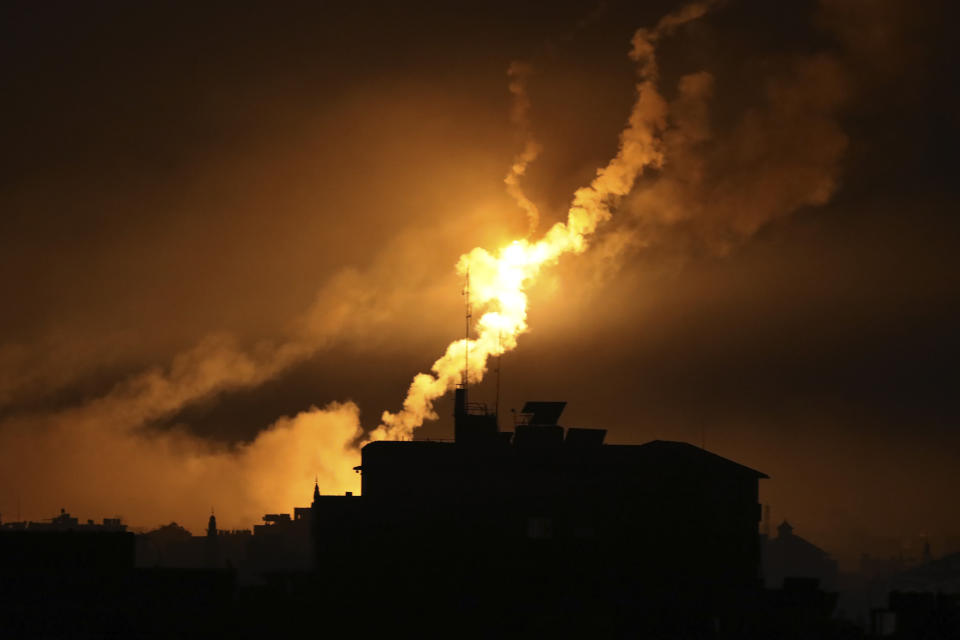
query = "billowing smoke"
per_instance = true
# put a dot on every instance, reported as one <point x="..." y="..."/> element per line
<point x="518" y="73"/>
<point x="672" y="170"/>
<point x="142" y="473"/>
<point x="115" y="457"/>
<point x="718" y="186"/>
<point x="721" y="188"/>
<point x="110" y="451"/>
<point x="499" y="281"/>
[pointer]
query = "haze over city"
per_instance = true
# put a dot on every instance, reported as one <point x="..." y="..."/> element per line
<point x="230" y="239"/>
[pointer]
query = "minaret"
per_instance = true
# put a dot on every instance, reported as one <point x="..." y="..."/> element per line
<point x="784" y="530"/>
<point x="211" y="549"/>
<point x="212" y="525"/>
<point x="314" y="528"/>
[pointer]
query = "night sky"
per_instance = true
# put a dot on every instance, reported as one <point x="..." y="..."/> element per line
<point x="216" y="216"/>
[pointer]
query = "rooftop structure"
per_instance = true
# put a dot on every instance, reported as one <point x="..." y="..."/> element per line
<point x="544" y="512"/>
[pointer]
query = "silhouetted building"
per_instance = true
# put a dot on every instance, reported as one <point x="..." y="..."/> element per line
<point x="58" y="573"/>
<point x="65" y="551"/>
<point x="547" y="515"/>
<point x="939" y="575"/>
<point x="172" y="546"/>
<point x="917" y="616"/>
<point x="798" y="608"/>
<point x="790" y="556"/>
<point x="282" y="543"/>
<point x="65" y="522"/>
<point x="168" y="546"/>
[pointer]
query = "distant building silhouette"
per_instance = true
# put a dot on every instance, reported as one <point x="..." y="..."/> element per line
<point x="56" y="575"/>
<point x="281" y="543"/>
<point x="917" y="616"/>
<point x="211" y="548"/>
<point x="940" y="575"/>
<point x="790" y="556"/>
<point x="65" y="522"/>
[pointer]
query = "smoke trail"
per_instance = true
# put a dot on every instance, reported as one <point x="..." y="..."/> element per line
<point x="721" y="186"/>
<point x="518" y="72"/>
<point x="498" y="281"/>
<point x="148" y="474"/>
<point x="107" y="451"/>
<point x="118" y="450"/>
<point x="113" y="433"/>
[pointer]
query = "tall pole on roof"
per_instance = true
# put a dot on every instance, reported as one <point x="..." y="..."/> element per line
<point x="466" y="342"/>
<point x="496" y="403"/>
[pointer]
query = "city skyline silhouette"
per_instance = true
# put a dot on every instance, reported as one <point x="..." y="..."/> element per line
<point x="254" y="258"/>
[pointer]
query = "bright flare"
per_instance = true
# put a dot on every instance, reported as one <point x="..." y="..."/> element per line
<point x="498" y="281"/>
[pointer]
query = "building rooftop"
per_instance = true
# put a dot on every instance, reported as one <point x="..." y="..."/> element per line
<point x="658" y="453"/>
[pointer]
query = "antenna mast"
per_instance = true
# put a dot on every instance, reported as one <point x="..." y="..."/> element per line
<point x="496" y="404"/>
<point x="466" y="343"/>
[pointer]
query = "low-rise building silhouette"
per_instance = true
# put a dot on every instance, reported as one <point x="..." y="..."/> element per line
<point x="543" y="530"/>
<point x="66" y="522"/>
<point x="790" y="556"/>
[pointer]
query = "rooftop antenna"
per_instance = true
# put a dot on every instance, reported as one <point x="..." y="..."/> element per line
<point x="496" y="403"/>
<point x="466" y="343"/>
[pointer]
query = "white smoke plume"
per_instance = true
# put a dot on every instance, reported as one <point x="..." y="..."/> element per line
<point x="719" y="187"/>
<point x="499" y="281"/>
<point x="699" y="176"/>
<point x="107" y="450"/>
<point x="518" y="73"/>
